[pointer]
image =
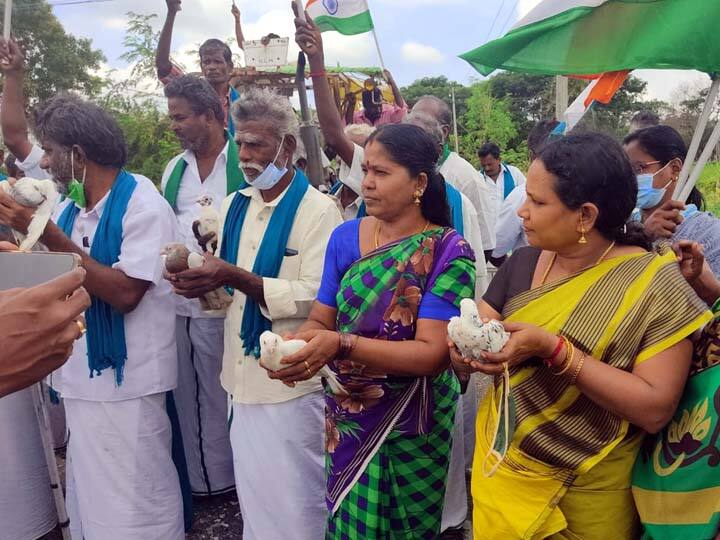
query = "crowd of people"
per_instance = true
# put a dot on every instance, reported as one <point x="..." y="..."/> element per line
<point x="599" y="418"/>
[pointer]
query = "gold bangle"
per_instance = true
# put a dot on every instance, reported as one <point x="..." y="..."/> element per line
<point x="569" y="356"/>
<point x="577" y="370"/>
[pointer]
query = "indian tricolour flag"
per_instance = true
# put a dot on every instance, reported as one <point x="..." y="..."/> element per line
<point x="583" y="37"/>
<point x="345" y="16"/>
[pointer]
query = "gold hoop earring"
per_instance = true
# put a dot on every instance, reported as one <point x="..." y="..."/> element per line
<point x="582" y="240"/>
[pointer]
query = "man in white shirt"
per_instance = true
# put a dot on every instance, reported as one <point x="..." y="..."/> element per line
<point x="347" y="192"/>
<point x="459" y="172"/>
<point x="509" y="231"/>
<point x="121" y="481"/>
<point x="207" y="171"/>
<point x="500" y="178"/>
<point x="275" y="232"/>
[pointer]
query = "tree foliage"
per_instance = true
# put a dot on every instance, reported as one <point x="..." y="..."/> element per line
<point x="439" y="87"/>
<point x="489" y="119"/>
<point x="150" y="140"/>
<point x="55" y="60"/>
<point x="140" y="44"/>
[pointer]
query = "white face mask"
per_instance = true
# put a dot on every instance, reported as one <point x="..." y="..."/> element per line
<point x="272" y="173"/>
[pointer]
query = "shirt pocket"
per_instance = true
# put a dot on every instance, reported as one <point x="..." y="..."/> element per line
<point x="290" y="266"/>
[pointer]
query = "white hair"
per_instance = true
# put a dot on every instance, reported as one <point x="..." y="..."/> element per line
<point x="428" y="123"/>
<point x="359" y="130"/>
<point x="264" y="105"/>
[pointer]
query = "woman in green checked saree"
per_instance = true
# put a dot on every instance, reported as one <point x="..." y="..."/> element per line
<point x="676" y="480"/>
<point x="598" y="355"/>
<point x="390" y="284"/>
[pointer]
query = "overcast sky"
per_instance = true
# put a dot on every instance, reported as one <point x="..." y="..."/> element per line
<point x="418" y="37"/>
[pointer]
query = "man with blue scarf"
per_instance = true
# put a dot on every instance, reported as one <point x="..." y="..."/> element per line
<point x="499" y="177"/>
<point x="206" y="172"/>
<point x="121" y="480"/>
<point x="275" y="231"/>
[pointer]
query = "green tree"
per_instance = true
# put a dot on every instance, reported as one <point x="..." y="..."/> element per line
<point x="439" y="87"/>
<point x="614" y="118"/>
<point x="489" y="119"/>
<point x="56" y="61"/>
<point x="140" y="44"/>
<point x="150" y="141"/>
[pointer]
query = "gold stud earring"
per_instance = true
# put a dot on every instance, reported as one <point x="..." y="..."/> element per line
<point x="582" y="240"/>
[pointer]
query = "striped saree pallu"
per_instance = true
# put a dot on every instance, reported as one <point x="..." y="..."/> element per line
<point x="622" y="312"/>
<point x="388" y="437"/>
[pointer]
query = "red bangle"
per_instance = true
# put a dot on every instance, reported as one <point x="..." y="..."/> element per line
<point x="558" y="348"/>
<point x="317" y="74"/>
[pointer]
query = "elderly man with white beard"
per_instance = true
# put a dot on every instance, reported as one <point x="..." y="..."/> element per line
<point x="274" y="234"/>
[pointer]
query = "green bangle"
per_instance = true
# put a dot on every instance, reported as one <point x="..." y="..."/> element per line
<point x="716" y="307"/>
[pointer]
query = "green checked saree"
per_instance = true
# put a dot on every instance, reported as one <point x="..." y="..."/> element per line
<point x="388" y="437"/>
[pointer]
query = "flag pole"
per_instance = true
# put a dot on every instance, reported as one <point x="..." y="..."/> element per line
<point x="377" y="45"/>
<point x="454" y="111"/>
<point x="7" y="20"/>
<point x="700" y="165"/>
<point x="697" y="138"/>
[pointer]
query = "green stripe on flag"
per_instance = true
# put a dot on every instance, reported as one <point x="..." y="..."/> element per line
<point x="617" y="35"/>
<point x="357" y="24"/>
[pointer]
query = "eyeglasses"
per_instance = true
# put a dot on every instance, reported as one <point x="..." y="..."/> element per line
<point x="640" y="167"/>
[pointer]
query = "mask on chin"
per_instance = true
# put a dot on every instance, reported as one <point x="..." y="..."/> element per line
<point x="271" y="175"/>
<point x="75" y="189"/>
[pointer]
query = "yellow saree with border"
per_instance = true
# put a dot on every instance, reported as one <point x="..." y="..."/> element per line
<point x="568" y="467"/>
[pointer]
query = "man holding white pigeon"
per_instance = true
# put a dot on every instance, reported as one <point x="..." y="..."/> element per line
<point x="275" y="231"/>
<point x="121" y="481"/>
<point x="206" y="172"/>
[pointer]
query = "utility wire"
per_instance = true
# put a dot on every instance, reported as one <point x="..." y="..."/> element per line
<point x="492" y="26"/>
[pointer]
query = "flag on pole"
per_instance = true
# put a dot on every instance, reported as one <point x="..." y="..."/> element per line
<point x="579" y="37"/>
<point x="600" y="90"/>
<point x="348" y="17"/>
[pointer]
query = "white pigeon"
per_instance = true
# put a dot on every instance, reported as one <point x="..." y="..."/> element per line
<point x="207" y="223"/>
<point x="472" y="336"/>
<point x="273" y="349"/>
<point x="42" y="195"/>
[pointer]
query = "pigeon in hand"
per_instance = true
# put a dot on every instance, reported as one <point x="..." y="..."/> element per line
<point x="472" y="336"/>
<point x="273" y="349"/>
<point x="42" y="195"/>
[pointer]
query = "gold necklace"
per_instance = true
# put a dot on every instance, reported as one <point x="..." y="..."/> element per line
<point x="377" y="232"/>
<point x="554" y="256"/>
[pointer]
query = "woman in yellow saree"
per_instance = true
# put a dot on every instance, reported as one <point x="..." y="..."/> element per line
<point x="598" y="354"/>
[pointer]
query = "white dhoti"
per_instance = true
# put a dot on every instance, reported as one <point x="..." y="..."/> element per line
<point x="27" y="510"/>
<point x="455" y="502"/>
<point x="202" y="405"/>
<point x="121" y="481"/>
<point x="278" y="451"/>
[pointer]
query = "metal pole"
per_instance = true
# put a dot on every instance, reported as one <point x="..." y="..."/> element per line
<point x="8" y="19"/>
<point x="697" y="138"/>
<point x="455" y="128"/>
<point x="308" y="131"/>
<point x="377" y="46"/>
<point x="45" y="435"/>
<point x="700" y="165"/>
<point x="561" y="97"/>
